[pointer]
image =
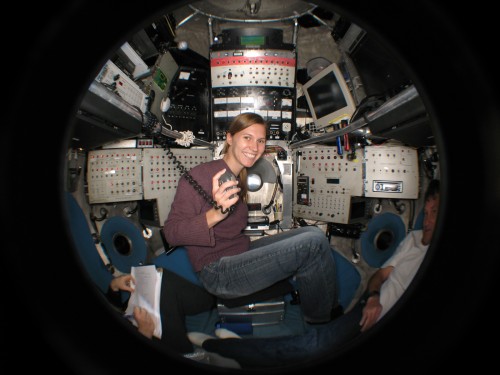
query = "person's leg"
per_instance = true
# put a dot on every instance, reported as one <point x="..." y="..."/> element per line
<point x="304" y="253"/>
<point x="263" y="352"/>
<point x="269" y="240"/>
<point x="282" y="351"/>
<point x="179" y="298"/>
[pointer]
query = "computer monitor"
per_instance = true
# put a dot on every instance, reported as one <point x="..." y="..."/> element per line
<point x="328" y="97"/>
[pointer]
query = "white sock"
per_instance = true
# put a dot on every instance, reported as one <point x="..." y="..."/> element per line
<point x="198" y="338"/>
<point x="224" y="333"/>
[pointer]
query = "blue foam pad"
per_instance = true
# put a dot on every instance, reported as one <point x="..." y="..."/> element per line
<point x="178" y="262"/>
<point x="84" y="244"/>
<point x="389" y="222"/>
<point x="348" y="279"/>
<point x="120" y="226"/>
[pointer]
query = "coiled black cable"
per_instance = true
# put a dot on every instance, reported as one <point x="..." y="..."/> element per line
<point x="194" y="183"/>
<point x="152" y="127"/>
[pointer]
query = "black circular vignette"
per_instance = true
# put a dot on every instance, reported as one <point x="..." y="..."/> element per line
<point x="49" y="308"/>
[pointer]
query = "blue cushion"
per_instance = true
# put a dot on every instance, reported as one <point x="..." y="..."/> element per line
<point x="116" y="227"/>
<point x="178" y="262"/>
<point x="85" y="246"/>
<point x="386" y="222"/>
<point x="348" y="279"/>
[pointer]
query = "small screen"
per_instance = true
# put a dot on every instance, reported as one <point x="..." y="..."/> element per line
<point x="326" y="96"/>
<point x="333" y="181"/>
<point x="252" y="40"/>
<point x="147" y="211"/>
<point x="254" y="206"/>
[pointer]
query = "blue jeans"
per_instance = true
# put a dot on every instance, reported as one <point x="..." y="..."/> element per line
<point x="316" y="344"/>
<point x="303" y="252"/>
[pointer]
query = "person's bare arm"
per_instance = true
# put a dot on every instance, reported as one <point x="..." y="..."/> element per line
<point x="373" y="308"/>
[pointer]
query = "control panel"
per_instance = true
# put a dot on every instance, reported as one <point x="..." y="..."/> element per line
<point x="115" y="79"/>
<point x="189" y="103"/>
<point x="147" y="175"/>
<point x="325" y="182"/>
<point x="114" y="175"/>
<point x="254" y="67"/>
<point x="260" y="80"/>
<point x="161" y="176"/>
<point x="391" y="172"/>
<point x="303" y="190"/>
<point x="345" y="230"/>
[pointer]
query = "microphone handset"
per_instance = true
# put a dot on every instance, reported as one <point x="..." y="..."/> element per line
<point x="153" y="128"/>
<point x="227" y="176"/>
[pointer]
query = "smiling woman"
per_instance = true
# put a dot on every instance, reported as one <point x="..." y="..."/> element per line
<point x="50" y="304"/>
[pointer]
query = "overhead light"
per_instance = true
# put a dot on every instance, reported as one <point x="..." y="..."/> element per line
<point x="252" y="7"/>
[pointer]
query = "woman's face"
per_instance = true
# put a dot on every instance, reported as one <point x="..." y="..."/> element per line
<point x="246" y="146"/>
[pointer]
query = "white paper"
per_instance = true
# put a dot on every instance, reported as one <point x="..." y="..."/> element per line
<point x="146" y="294"/>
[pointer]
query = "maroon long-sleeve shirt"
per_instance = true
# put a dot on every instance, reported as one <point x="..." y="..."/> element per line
<point x="186" y="224"/>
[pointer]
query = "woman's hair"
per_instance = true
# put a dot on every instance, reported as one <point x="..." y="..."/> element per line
<point x="432" y="190"/>
<point x="241" y="122"/>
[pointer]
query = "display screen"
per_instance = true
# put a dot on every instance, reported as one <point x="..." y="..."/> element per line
<point x="252" y="40"/>
<point x="327" y="96"/>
